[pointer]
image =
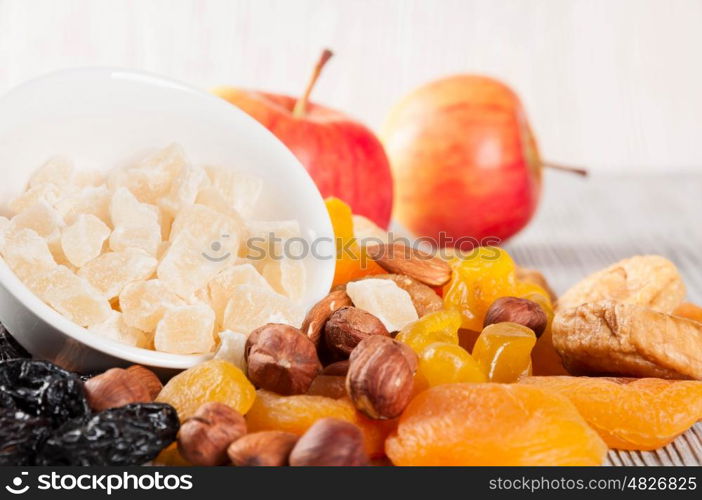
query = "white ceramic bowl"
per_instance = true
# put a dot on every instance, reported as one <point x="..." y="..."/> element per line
<point x="100" y="118"/>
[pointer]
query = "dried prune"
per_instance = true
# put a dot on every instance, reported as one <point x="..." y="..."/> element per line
<point x="41" y="389"/>
<point x="128" y="435"/>
<point x="9" y="347"/>
<point x="20" y="436"/>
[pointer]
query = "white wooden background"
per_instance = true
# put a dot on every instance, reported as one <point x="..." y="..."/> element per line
<point x="614" y="85"/>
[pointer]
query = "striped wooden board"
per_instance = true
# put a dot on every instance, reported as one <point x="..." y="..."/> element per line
<point x="586" y="224"/>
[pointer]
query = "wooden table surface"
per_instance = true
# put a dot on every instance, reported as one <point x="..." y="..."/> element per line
<point x="586" y="224"/>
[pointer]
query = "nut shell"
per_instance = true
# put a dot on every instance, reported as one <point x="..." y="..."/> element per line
<point x="330" y="442"/>
<point x="116" y="387"/>
<point x="280" y="358"/>
<point x="313" y="324"/>
<point x="348" y="326"/>
<point x="516" y="310"/>
<point x="204" y="438"/>
<point x="263" y="449"/>
<point x="148" y="378"/>
<point x="381" y="377"/>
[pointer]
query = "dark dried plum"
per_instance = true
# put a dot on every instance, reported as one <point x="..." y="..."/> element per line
<point x="42" y="389"/>
<point x="9" y="347"/>
<point x="20" y="436"/>
<point x="129" y="435"/>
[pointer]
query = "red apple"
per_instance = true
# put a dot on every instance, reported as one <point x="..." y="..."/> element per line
<point x="343" y="157"/>
<point x="464" y="159"/>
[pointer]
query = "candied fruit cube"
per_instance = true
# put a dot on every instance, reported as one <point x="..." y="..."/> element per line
<point x="146" y="238"/>
<point x="268" y="239"/>
<point x="112" y="271"/>
<point x="206" y="224"/>
<point x="184" y="190"/>
<point x="88" y="178"/>
<point x="114" y="328"/>
<point x="250" y="307"/>
<point x="89" y="200"/>
<point x="151" y="178"/>
<point x="287" y="277"/>
<point x="49" y="193"/>
<point x="214" y="380"/>
<point x="4" y="227"/>
<point x="231" y="348"/>
<point x="143" y="303"/>
<point x="438" y="326"/>
<point x="82" y="241"/>
<point x="71" y="295"/>
<point x="186" y="330"/>
<point x="222" y="284"/>
<point x="40" y="217"/>
<point x="384" y="299"/>
<point x="57" y="170"/>
<point x="503" y="351"/>
<point x="127" y="210"/>
<point x="27" y="253"/>
<point x="241" y="191"/>
<point x="196" y="255"/>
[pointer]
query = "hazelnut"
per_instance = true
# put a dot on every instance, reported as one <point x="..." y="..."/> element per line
<point x="348" y="326"/>
<point x="148" y="378"/>
<point x="314" y="322"/>
<point x="281" y="359"/>
<point x="330" y="386"/>
<point x="515" y="310"/>
<point x="339" y="368"/>
<point x="265" y="449"/>
<point x="116" y="387"/>
<point x="204" y="438"/>
<point x="330" y="442"/>
<point x="381" y="376"/>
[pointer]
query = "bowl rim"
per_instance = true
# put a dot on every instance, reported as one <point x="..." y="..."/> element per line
<point x="17" y="288"/>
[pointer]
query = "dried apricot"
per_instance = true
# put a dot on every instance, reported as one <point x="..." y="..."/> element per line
<point x="296" y="414"/>
<point x="503" y="351"/>
<point x="630" y="414"/>
<point x="171" y="457"/>
<point x="445" y="363"/>
<point x="493" y="424"/>
<point x="213" y="380"/>
<point x="439" y="326"/>
<point x="351" y="260"/>
<point x="689" y="311"/>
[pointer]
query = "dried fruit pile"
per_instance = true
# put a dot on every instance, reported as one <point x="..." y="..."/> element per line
<point x="410" y="359"/>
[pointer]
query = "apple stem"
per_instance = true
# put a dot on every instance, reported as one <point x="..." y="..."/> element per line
<point x="566" y="168"/>
<point x="301" y="105"/>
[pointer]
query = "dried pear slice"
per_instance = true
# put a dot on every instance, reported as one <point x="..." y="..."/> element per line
<point x="608" y="338"/>
<point x="646" y="280"/>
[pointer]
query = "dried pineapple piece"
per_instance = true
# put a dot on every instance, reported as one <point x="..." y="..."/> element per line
<point x="646" y="280"/>
<point x="57" y="170"/>
<point x="89" y="200"/>
<point x="287" y="277"/>
<point x="250" y="307"/>
<point x="184" y="190"/>
<point x="222" y="285"/>
<point x="608" y="338"/>
<point x="114" y="328"/>
<point x="186" y="330"/>
<point x="49" y="193"/>
<point x="143" y="303"/>
<point x="27" y="253"/>
<point x="241" y="191"/>
<point x="151" y="178"/>
<point x="40" y="217"/>
<point x="385" y="300"/>
<point x="231" y="348"/>
<point x="112" y="271"/>
<point x="71" y="295"/>
<point x="82" y="241"/>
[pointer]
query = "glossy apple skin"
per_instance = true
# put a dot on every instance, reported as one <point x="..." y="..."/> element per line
<point x="464" y="161"/>
<point x="343" y="157"/>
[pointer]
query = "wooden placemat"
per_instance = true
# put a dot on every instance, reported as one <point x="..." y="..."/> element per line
<point x="586" y="224"/>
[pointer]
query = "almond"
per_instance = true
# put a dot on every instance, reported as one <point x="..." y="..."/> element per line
<point x="402" y="259"/>
<point x="314" y="322"/>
